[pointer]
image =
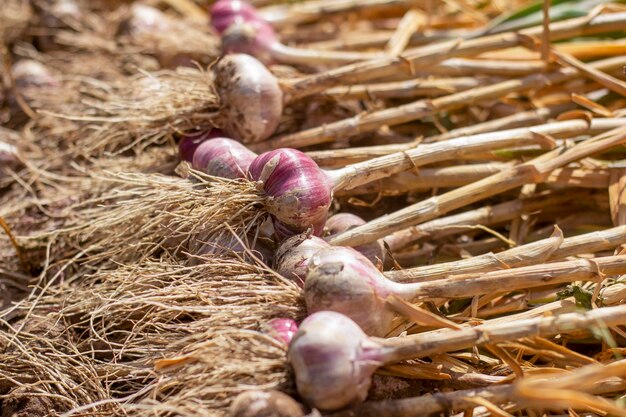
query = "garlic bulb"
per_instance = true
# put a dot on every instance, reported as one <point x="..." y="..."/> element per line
<point x="223" y="157"/>
<point x="224" y="13"/>
<point x="341" y="279"/>
<point x="281" y="329"/>
<point x="252" y="99"/>
<point x="333" y="360"/>
<point x="293" y="255"/>
<point x="265" y="404"/>
<point x="298" y="192"/>
<point x="190" y="141"/>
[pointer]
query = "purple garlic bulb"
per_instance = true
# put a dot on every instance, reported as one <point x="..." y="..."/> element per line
<point x="340" y="222"/>
<point x="226" y="12"/>
<point x="256" y="38"/>
<point x="265" y="404"/>
<point x="341" y="279"/>
<point x="189" y="143"/>
<point x="293" y="255"/>
<point x="223" y="157"/>
<point x="281" y="329"/>
<point x="298" y="192"/>
<point x="333" y="360"/>
<point x="252" y="100"/>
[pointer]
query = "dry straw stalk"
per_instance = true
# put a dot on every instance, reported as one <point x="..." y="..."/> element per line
<point x="555" y="247"/>
<point x="602" y="381"/>
<point x="532" y="172"/>
<point x="432" y="54"/>
<point x="368" y="122"/>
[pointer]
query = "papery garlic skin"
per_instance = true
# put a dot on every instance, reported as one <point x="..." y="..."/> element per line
<point x="281" y="329"/>
<point x="298" y="192"/>
<point x="340" y="222"/>
<point x="223" y="157"/>
<point x="256" y="403"/>
<point x="341" y="279"/>
<point x="294" y="254"/>
<point x="333" y="361"/>
<point x="252" y="100"/>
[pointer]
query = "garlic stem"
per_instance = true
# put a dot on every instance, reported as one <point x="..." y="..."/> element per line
<point x="309" y="11"/>
<point x="341" y="157"/>
<point x="534" y="171"/>
<point x="361" y="173"/>
<point x="430" y="55"/>
<point x="364" y="123"/>
<point x="304" y="56"/>
<point x="486" y="215"/>
<point x="409" y="88"/>
<point x="552" y="248"/>
<point x="460" y="175"/>
<point x="425" y="344"/>
<point x="520" y="278"/>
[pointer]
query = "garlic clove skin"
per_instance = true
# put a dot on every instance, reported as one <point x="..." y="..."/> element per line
<point x="222" y="157"/>
<point x="252" y="100"/>
<point x="341" y="279"/>
<point x="189" y="143"/>
<point x="254" y="38"/>
<point x="294" y="254"/>
<point x="256" y="403"/>
<point x="333" y="361"/>
<point x="341" y="222"/>
<point x="281" y="329"/>
<point x="298" y="192"/>
<point x="226" y="12"/>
